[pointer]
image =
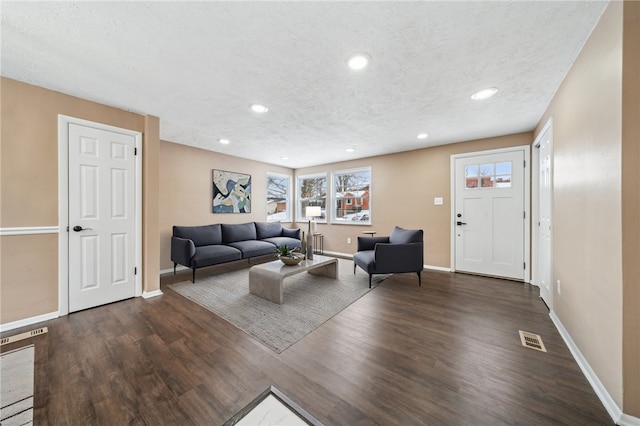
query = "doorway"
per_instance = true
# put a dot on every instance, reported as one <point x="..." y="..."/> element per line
<point x="490" y="213"/>
<point x="543" y="186"/>
<point x="100" y="208"/>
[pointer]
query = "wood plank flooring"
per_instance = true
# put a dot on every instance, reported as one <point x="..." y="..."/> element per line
<point x="446" y="353"/>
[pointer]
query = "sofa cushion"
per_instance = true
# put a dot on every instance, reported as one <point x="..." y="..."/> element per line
<point x="291" y="233"/>
<point x="268" y="230"/>
<point x="284" y="241"/>
<point x="253" y="248"/>
<point x="232" y="233"/>
<point x="214" y="254"/>
<point x="200" y="235"/>
<point x="366" y="260"/>
<point x="405" y="236"/>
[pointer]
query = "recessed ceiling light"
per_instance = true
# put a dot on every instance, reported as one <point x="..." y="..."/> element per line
<point x="284" y="158"/>
<point x="484" y="94"/>
<point x="422" y="136"/>
<point x="350" y="149"/>
<point x="224" y="141"/>
<point x="358" y="61"/>
<point x="260" y="109"/>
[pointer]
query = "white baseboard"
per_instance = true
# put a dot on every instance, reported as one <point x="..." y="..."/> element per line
<point x="170" y="270"/>
<point x="28" y="321"/>
<point x="337" y="254"/>
<point x="437" y="268"/>
<point x="149" y="294"/>
<point x="609" y="404"/>
<point x="627" y="420"/>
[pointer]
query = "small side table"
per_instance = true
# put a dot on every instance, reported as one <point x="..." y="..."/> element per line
<point x="371" y="233"/>
<point x="318" y="243"/>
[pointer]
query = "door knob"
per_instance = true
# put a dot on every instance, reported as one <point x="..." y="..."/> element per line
<point x="460" y="223"/>
<point x="79" y="228"/>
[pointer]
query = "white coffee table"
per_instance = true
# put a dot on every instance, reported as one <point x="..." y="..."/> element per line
<point x="265" y="280"/>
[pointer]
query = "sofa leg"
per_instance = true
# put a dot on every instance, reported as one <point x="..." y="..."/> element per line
<point x="193" y="280"/>
<point x="174" y="267"/>
<point x="419" y="279"/>
<point x="370" y="275"/>
<point x="354" y="268"/>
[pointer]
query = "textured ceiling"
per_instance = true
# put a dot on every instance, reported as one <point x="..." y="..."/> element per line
<point x="198" y="66"/>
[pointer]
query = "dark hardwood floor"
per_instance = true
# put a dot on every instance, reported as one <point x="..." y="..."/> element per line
<point x="446" y="353"/>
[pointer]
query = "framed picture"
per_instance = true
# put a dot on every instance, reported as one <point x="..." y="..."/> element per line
<point x="231" y="192"/>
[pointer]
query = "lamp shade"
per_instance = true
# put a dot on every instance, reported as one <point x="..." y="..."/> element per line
<point x="313" y="211"/>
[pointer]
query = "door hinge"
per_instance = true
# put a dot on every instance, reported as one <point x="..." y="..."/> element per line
<point x="524" y="265"/>
<point x="524" y="164"/>
<point x="524" y="215"/>
<point x="135" y="271"/>
<point x="135" y="151"/>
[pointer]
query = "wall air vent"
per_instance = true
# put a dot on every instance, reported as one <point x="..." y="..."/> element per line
<point x="18" y="337"/>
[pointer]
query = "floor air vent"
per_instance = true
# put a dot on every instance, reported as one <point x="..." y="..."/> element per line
<point x="32" y="333"/>
<point x="532" y="341"/>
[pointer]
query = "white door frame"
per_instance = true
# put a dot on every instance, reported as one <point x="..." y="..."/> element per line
<point x="63" y="204"/>
<point x="536" y="211"/>
<point x="527" y="201"/>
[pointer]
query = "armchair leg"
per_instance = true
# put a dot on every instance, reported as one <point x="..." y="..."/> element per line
<point x="174" y="267"/>
<point x="354" y="268"/>
<point x="370" y="275"/>
<point x="193" y="280"/>
<point x="419" y="280"/>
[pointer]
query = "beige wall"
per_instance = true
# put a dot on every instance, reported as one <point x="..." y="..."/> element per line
<point x="29" y="274"/>
<point x="588" y="220"/>
<point x="403" y="188"/>
<point x="631" y="207"/>
<point x="186" y="190"/>
<point x="29" y="191"/>
<point x="150" y="204"/>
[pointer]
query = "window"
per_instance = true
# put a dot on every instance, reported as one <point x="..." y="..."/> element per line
<point x="278" y="205"/>
<point x="492" y="175"/>
<point x="351" y="196"/>
<point x="312" y="191"/>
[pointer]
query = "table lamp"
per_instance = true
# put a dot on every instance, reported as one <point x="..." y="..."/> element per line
<point x="311" y="212"/>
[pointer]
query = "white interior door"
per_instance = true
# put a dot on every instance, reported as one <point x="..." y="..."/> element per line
<point x="489" y="210"/>
<point x="101" y="217"/>
<point x="543" y="272"/>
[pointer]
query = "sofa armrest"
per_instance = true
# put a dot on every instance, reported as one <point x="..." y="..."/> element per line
<point x="182" y="251"/>
<point x="369" y="243"/>
<point x="292" y="233"/>
<point x="391" y="258"/>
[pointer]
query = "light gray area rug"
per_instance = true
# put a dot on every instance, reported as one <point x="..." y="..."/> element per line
<point x="309" y="301"/>
<point x="16" y="386"/>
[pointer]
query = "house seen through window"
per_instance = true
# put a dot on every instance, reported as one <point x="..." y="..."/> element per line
<point x="278" y="203"/>
<point x="491" y="175"/>
<point x="351" y="196"/>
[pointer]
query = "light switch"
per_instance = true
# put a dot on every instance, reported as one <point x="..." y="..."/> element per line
<point x="438" y="201"/>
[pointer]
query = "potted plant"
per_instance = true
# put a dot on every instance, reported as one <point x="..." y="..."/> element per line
<point x="288" y="256"/>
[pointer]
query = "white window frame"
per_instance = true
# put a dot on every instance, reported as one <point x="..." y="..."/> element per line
<point x="300" y="217"/>
<point x="290" y="206"/>
<point x="334" y="198"/>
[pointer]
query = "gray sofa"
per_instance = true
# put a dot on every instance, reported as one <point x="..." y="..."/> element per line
<point x="402" y="251"/>
<point x="199" y="246"/>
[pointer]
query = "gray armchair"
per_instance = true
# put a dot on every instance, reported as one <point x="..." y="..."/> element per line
<point x="402" y="251"/>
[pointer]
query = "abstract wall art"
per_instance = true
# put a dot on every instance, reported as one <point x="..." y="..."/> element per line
<point x="231" y="192"/>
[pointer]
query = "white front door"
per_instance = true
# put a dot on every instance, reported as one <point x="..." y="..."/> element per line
<point x="543" y="273"/>
<point x="489" y="210"/>
<point x="101" y="217"/>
